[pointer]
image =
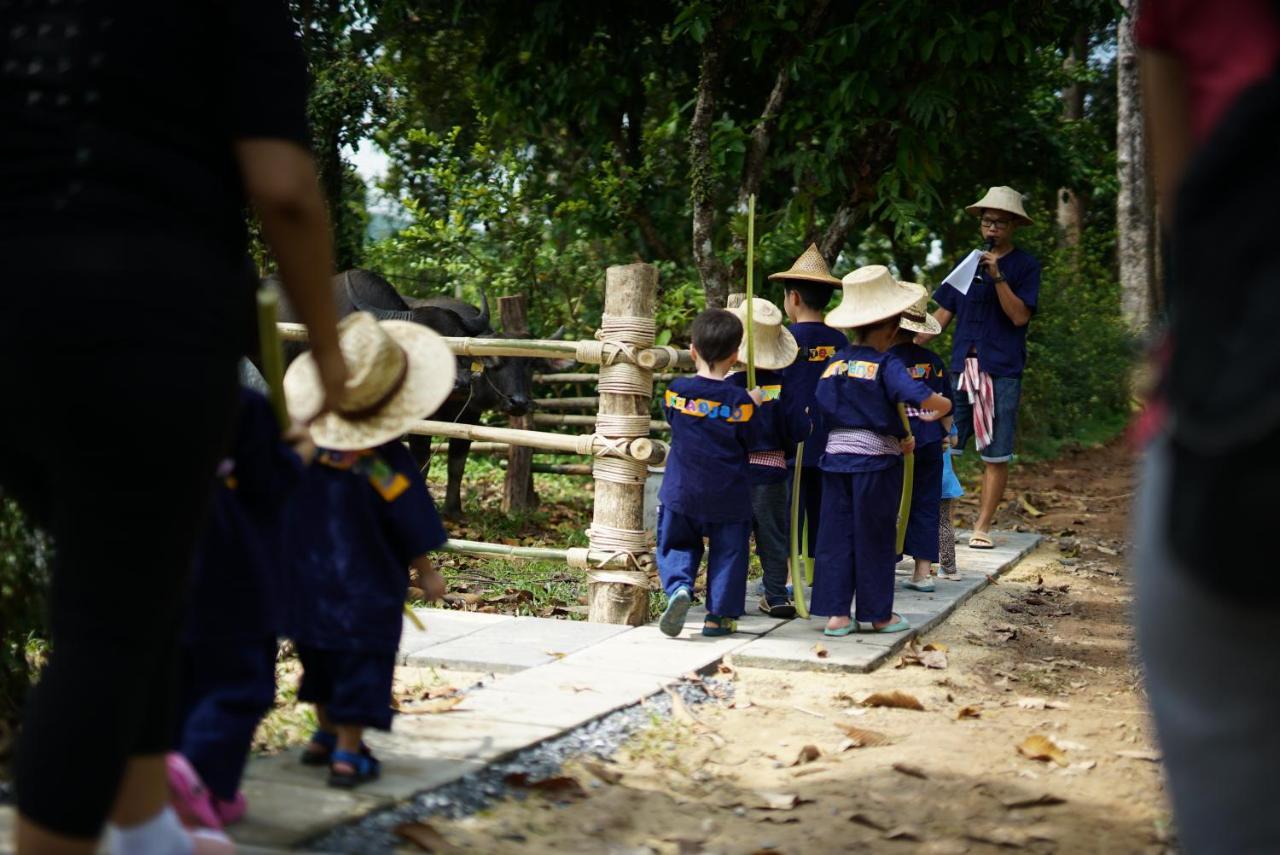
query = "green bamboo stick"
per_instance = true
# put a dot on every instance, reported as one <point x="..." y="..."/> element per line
<point x="272" y="354"/>
<point x="751" y="257"/>
<point x="798" y="562"/>
<point x="908" y="478"/>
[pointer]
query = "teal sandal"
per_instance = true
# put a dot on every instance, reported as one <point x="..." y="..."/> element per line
<point x="720" y="626"/>
<point x="848" y="629"/>
<point x="925" y="587"/>
<point x="672" y="620"/>
<point x="900" y="625"/>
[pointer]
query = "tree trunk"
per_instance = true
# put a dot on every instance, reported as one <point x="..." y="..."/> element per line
<point x="1135" y="208"/>
<point x="630" y="292"/>
<point x="711" y="269"/>
<point x="517" y="489"/>
<point x="1071" y="204"/>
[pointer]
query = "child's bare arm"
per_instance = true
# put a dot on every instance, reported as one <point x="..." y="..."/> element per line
<point x="429" y="578"/>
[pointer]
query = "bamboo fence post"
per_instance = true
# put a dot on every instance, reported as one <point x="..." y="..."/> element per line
<point x="617" y="526"/>
<point x="517" y="488"/>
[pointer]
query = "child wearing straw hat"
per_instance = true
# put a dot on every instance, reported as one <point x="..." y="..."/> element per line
<point x="923" y="524"/>
<point x="360" y="519"/>
<point x="706" y="491"/>
<point x="775" y="428"/>
<point x="807" y="289"/>
<point x="862" y="465"/>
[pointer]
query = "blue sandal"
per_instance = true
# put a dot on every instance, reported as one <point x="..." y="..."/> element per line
<point x="672" y="621"/>
<point x="326" y="742"/>
<point x="719" y="626"/>
<point x="365" y="767"/>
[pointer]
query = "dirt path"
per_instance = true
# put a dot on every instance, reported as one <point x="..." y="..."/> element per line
<point x="1047" y="652"/>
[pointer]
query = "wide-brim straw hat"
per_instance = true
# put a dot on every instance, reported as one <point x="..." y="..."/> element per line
<point x="811" y="267"/>
<point x="917" y="318"/>
<point x="398" y="372"/>
<point x="775" y="346"/>
<point x="1001" y="199"/>
<point x="871" y="295"/>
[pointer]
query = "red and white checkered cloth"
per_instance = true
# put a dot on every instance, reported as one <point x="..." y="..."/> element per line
<point x="775" y="459"/>
<point x="857" y="441"/>
<point x="982" y="397"/>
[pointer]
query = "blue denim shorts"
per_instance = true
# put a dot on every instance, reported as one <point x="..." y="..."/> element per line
<point x="1004" y="427"/>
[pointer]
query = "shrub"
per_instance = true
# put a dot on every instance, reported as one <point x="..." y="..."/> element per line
<point x="24" y="558"/>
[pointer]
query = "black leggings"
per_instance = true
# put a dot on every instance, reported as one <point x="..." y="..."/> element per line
<point x="113" y="424"/>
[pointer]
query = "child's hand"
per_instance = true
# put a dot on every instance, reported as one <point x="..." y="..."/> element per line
<point x="433" y="585"/>
<point x="908" y="445"/>
<point x="299" y="438"/>
<point x="757" y="396"/>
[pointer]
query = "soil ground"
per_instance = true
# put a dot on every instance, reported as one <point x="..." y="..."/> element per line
<point x="1045" y="653"/>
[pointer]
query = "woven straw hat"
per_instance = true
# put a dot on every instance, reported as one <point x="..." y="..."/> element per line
<point x="398" y="372"/>
<point x="1001" y="199"/>
<point x="917" y="318"/>
<point x="810" y="266"/>
<point x="871" y="294"/>
<point x="776" y="347"/>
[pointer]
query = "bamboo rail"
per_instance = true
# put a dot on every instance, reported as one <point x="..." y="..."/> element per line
<point x="590" y="403"/>
<point x="575" y="556"/>
<point x="590" y="377"/>
<point x="569" y="420"/>
<point x="652" y="452"/>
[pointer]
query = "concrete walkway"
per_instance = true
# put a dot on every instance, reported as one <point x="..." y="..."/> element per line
<point x="552" y="676"/>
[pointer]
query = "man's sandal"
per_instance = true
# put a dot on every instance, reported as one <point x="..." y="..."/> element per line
<point x="981" y="540"/>
<point x="716" y="626"/>
<point x="363" y="767"/>
<point x="319" y="750"/>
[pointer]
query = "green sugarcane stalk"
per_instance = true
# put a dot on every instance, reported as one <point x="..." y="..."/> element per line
<point x="908" y="478"/>
<point x="798" y="562"/>
<point x="751" y="252"/>
<point x="272" y="354"/>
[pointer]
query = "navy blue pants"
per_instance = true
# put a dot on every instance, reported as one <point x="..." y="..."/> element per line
<point x="769" y="509"/>
<point x="680" y="554"/>
<point x="227" y="688"/>
<point x="856" y="544"/>
<point x="353" y="686"/>
<point x="926" y="504"/>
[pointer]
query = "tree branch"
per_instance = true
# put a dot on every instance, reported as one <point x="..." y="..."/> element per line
<point x="711" y="269"/>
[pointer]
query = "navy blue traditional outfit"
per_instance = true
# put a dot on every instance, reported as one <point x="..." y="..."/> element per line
<point x="774" y="429"/>
<point x="818" y="344"/>
<point x="926" y="486"/>
<point x="706" y="491"/>
<point x="857" y="398"/>
<point x="232" y="619"/>
<point x="357" y="521"/>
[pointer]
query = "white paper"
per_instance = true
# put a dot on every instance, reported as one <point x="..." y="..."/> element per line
<point x="962" y="277"/>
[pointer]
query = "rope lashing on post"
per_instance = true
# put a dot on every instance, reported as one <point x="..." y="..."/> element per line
<point x="638" y="332"/>
<point x="624" y="378"/>
<point x="619" y="470"/>
<point x="609" y="543"/>
<point x="623" y="426"/>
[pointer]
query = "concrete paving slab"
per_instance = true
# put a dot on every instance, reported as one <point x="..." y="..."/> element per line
<point x="402" y="775"/>
<point x="458" y="735"/>
<point x="283" y="815"/>
<point x="645" y="650"/>
<point x="751" y="623"/>
<point x="515" y="644"/>
<point x="443" y="625"/>
<point x="562" y="696"/>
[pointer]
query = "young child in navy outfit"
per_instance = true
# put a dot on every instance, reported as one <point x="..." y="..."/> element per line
<point x="775" y="428"/>
<point x="230" y="628"/>
<point x="862" y="465"/>
<point x="706" y="489"/>
<point x="361" y="517"/>
<point x="931" y="437"/>
<point x="807" y="288"/>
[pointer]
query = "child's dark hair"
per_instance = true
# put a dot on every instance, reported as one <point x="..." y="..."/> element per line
<point x="716" y="333"/>
<point x="860" y="333"/>
<point x="815" y="295"/>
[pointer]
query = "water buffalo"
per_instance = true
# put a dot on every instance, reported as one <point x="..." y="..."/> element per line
<point x="483" y="384"/>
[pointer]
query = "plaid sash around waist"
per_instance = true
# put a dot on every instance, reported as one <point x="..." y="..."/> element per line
<point x="773" y="459"/>
<point x="856" y="441"/>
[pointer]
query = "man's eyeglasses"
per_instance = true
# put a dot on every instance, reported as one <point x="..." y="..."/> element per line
<point x="994" y="224"/>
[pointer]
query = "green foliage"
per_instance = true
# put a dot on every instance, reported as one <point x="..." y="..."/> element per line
<point x="24" y="556"/>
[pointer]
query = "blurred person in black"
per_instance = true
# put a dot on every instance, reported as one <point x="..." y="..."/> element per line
<point x="133" y="135"/>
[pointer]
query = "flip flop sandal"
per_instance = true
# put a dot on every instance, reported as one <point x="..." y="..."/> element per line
<point x="981" y="541"/>
<point x="365" y="767"/>
<point x="672" y="620"/>
<point x="191" y="799"/>
<point x="925" y="587"/>
<point x="719" y="626"/>
<point x="900" y="625"/>
<point x="850" y="629"/>
<point x="786" y="611"/>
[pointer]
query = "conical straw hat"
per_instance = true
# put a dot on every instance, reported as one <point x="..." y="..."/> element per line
<point x="917" y="318"/>
<point x="810" y="266"/>
<point x="776" y="347"/>
<point x="397" y="373"/>
<point x="871" y="294"/>
<point x="1001" y="199"/>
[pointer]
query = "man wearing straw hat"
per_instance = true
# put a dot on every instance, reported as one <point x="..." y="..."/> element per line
<point x="989" y="348"/>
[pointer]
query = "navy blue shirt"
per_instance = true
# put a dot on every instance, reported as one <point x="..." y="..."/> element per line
<point x="982" y="325"/>
<point x="818" y="343"/>
<point x="777" y="424"/>
<point x="236" y="588"/>
<point x="356" y="522"/>
<point x="861" y="389"/>
<point x="707" y="477"/>
<point x="927" y="367"/>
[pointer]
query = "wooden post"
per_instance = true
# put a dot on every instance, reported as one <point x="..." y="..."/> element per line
<point x="517" y="490"/>
<point x="630" y="293"/>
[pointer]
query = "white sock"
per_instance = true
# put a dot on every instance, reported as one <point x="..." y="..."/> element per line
<point x="163" y="834"/>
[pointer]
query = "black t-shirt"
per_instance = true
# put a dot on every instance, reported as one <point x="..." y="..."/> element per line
<point x="118" y="121"/>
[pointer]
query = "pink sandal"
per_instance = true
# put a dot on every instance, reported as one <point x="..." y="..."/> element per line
<point x="191" y="798"/>
<point x="233" y="811"/>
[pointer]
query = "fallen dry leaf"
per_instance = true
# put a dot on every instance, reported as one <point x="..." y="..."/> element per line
<point x="863" y="738"/>
<point x="904" y="832"/>
<point x="936" y="645"/>
<point x="726" y="669"/>
<point x="691" y="677"/>
<point x="1150" y="756"/>
<point x="1042" y="748"/>
<point x="426" y="838"/>
<point x="1042" y="800"/>
<point x="777" y="819"/>
<point x="432" y="706"/>
<point x="807" y="754"/>
<point x="561" y="786"/>
<point x="894" y="699"/>
<point x="969" y="712"/>
<point x="935" y="659"/>
<point x="997" y="836"/>
<point x="868" y="821"/>
<point x="680" y="710"/>
<point x="778" y="801"/>
<point x="994" y="580"/>
<point x="601" y="771"/>
<point x="912" y="771"/>
<point x="1042" y="704"/>
<point x="820" y="651"/>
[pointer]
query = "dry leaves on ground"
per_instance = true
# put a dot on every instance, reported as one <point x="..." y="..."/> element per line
<point x="601" y="771"/>
<point x="861" y="737"/>
<point x="561" y="787"/>
<point x="820" y="651"/>
<point x="807" y="754"/>
<point x="969" y="712"/>
<point x="912" y="771"/>
<point x="778" y="801"/>
<point x="1037" y="746"/>
<point x="895" y="699"/>
<point x="1150" y="756"/>
<point x="425" y="837"/>
<point x="1042" y="800"/>
<point x="1042" y="704"/>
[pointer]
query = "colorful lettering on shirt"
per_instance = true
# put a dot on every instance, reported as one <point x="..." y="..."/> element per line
<point x="920" y="371"/>
<point x="702" y="408"/>
<point x="388" y="483"/>
<point x="770" y="393"/>
<point x="820" y="352"/>
<point x="858" y="370"/>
